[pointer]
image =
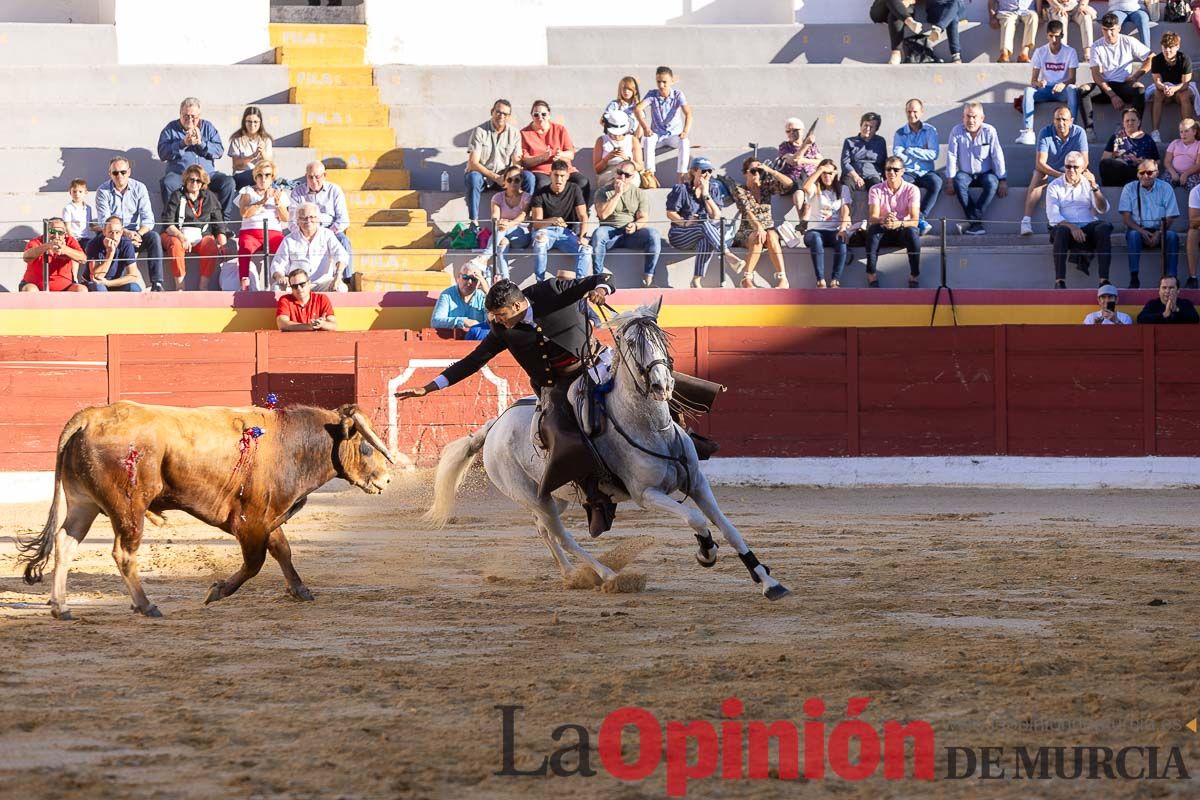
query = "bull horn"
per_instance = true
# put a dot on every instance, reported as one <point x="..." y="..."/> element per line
<point x="369" y="434"/>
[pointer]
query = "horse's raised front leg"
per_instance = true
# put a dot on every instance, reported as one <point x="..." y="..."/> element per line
<point x="655" y="498"/>
<point x="703" y="497"/>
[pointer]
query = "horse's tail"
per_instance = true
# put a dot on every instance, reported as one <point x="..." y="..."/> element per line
<point x="35" y="551"/>
<point x="451" y="469"/>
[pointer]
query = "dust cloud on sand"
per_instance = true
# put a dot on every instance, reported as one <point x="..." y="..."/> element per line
<point x="979" y="611"/>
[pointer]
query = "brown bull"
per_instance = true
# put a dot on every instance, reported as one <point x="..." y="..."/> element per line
<point x="131" y="462"/>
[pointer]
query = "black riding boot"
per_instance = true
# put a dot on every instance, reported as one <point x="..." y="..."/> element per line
<point x="601" y="510"/>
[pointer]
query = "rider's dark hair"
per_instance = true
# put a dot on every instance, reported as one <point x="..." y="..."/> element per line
<point x="504" y="293"/>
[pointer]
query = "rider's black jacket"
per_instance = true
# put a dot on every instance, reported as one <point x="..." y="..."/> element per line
<point x="558" y="332"/>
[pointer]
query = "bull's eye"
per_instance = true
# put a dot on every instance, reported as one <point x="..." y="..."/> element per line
<point x="365" y="449"/>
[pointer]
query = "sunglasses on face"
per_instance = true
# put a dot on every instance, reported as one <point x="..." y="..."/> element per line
<point x="469" y="278"/>
<point x="1071" y="166"/>
<point x="757" y="171"/>
<point x="300" y="285"/>
<point x="513" y="180"/>
<point x="119" y="172"/>
<point x="706" y="172"/>
<point x="893" y="169"/>
<point x="57" y="232"/>
<point x="625" y="174"/>
<point x="502" y="113"/>
<point x="541" y="113"/>
<point x="1149" y="172"/>
<point x="193" y="180"/>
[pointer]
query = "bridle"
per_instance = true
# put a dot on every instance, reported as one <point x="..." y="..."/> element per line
<point x="643" y="389"/>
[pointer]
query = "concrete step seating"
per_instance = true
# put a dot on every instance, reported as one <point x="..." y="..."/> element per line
<point x="859" y="42"/>
<point x="387" y="133"/>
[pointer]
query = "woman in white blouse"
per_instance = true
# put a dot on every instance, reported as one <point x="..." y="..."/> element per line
<point x="262" y="205"/>
<point x="827" y="211"/>
<point x="249" y="146"/>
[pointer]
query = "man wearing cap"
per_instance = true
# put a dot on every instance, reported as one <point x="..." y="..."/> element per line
<point x="1106" y="298"/>
<point x="693" y="207"/>
<point x="460" y="308"/>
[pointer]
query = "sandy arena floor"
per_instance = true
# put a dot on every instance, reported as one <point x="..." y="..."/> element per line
<point x="975" y="610"/>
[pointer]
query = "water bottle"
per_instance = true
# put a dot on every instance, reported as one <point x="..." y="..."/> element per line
<point x="445" y="181"/>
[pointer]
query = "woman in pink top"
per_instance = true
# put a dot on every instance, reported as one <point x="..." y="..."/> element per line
<point x="509" y="210"/>
<point x="1183" y="156"/>
<point x="542" y="143"/>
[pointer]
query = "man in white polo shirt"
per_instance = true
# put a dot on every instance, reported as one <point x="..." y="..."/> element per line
<point x="313" y="248"/>
<point x="1073" y="203"/>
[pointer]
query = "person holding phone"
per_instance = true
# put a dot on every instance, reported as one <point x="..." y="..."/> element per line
<point x="1106" y="299"/>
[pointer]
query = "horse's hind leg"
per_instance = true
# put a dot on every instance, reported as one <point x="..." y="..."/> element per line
<point x="281" y="551"/>
<point x="560" y="557"/>
<point x="654" y="498"/>
<point x="556" y="528"/>
<point x="703" y="497"/>
<point x="79" y="520"/>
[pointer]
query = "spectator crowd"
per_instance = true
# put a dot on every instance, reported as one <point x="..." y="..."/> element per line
<point x="875" y="193"/>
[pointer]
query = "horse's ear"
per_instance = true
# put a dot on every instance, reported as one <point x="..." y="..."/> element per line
<point x="658" y="307"/>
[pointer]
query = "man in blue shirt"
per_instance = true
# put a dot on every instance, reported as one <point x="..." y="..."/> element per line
<point x="460" y="307"/>
<point x="975" y="160"/>
<point x="111" y="261"/>
<point x="128" y="199"/>
<point x="916" y="144"/>
<point x="1148" y="208"/>
<point x="1056" y="140"/>
<point x="191" y="140"/>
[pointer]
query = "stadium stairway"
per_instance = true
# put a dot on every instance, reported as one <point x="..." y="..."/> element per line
<point x="349" y="130"/>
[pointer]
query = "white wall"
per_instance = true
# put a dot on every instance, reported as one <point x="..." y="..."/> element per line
<point x="85" y="12"/>
<point x="192" y="31"/>
<point x="514" y="31"/>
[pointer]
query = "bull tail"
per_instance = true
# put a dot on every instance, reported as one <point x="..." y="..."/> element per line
<point x="35" y="551"/>
<point x="451" y="469"/>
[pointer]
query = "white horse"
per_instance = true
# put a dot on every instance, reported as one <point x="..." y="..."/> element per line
<point x="641" y="445"/>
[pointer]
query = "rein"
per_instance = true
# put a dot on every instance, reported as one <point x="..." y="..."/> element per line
<point x="680" y="459"/>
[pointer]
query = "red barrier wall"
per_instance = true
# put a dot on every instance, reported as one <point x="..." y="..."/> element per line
<point x="1019" y="390"/>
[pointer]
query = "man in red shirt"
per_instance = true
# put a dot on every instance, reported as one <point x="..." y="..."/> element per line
<point x="302" y="310"/>
<point x="64" y="254"/>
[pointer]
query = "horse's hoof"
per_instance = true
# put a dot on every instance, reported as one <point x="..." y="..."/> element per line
<point x="706" y="562"/>
<point x="776" y="592"/>
<point x="215" y="592"/>
<point x="64" y="614"/>
<point x="301" y="593"/>
<point x="152" y="611"/>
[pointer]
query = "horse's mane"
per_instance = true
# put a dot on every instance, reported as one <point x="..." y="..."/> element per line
<point x="643" y="323"/>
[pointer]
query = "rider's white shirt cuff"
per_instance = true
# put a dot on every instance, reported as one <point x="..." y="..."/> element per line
<point x="441" y="382"/>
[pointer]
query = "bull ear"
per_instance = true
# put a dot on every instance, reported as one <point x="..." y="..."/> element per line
<point x="347" y="424"/>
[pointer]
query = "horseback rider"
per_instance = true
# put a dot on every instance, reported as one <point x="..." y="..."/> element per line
<point x="545" y="328"/>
